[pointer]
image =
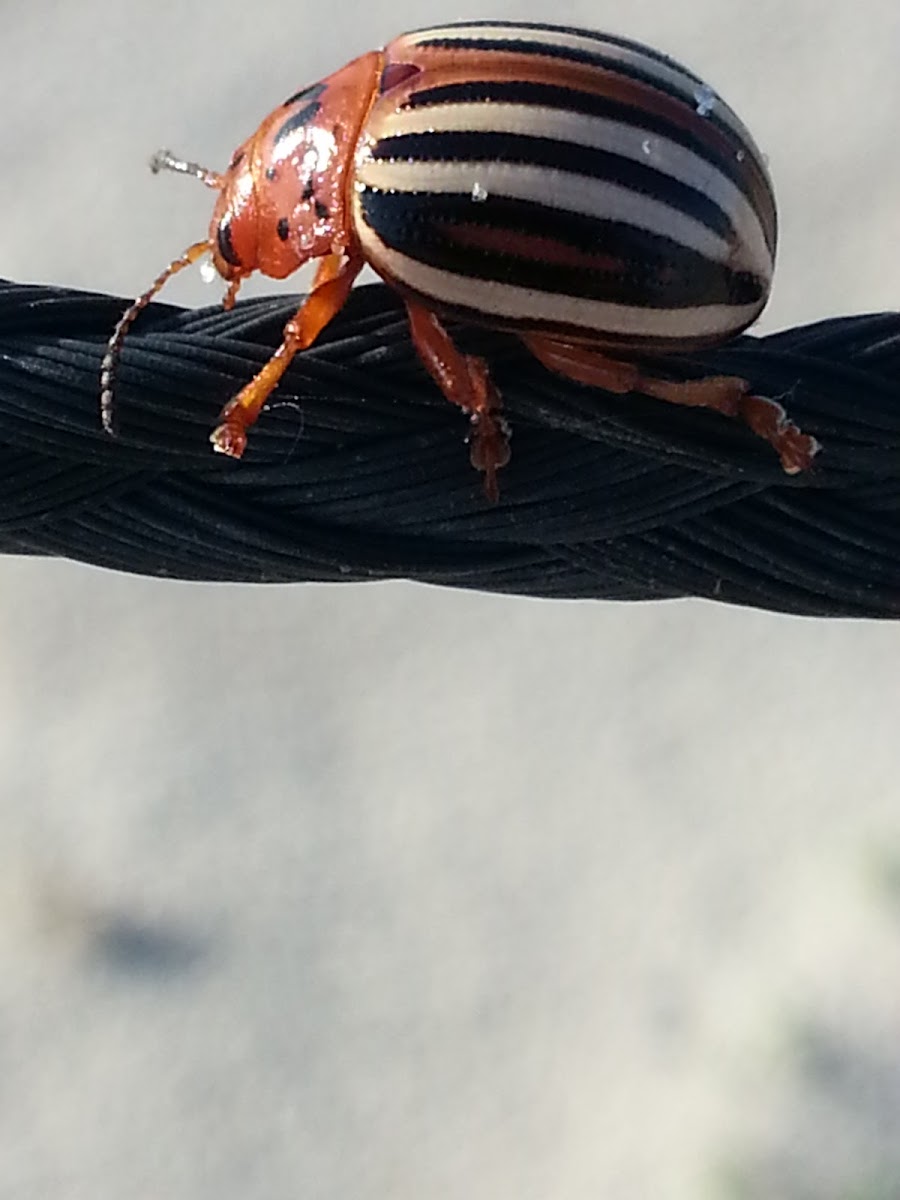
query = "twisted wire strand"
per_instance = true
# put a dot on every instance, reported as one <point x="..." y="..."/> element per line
<point x="357" y="470"/>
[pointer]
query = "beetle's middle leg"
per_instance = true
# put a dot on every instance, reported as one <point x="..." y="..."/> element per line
<point x="726" y="394"/>
<point x="465" y="381"/>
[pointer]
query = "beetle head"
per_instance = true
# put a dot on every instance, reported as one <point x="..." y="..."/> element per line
<point x="282" y="200"/>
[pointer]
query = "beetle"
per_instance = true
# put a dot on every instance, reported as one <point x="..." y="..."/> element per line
<point x="578" y="189"/>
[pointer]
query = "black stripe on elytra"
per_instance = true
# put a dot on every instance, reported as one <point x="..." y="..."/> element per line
<point x="224" y="243"/>
<point x="608" y="39"/>
<point x="574" y="54"/>
<point x="304" y="114"/>
<point x="570" y="157"/>
<point x="656" y="272"/>
<point x="625" y="344"/>
<point x="629" y="70"/>
<point x="574" y="100"/>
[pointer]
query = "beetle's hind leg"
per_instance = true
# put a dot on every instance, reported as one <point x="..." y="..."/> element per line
<point x="725" y="394"/>
<point x="465" y="381"/>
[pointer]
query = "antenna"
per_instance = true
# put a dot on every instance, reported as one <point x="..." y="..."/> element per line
<point x="110" y="363"/>
<point x="165" y="160"/>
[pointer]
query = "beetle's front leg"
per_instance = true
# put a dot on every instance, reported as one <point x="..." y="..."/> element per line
<point x="465" y="381"/>
<point x="725" y="394"/>
<point x="330" y="290"/>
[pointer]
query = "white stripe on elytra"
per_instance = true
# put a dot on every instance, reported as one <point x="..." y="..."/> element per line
<point x="505" y="301"/>
<point x="667" y="74"/>
<point x="562" y="190"/>
<point x="619" y="137"/>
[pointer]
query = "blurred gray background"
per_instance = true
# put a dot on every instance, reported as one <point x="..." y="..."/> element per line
<point x="398" y="892"/>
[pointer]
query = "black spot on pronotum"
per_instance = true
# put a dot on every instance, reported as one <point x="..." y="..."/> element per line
<point x="283" y="228"/>
<point x="396" y="73"/>
<point x="304" y="113"/>
<point x="321" y="210"/>
<point x="224" y="243"/>
<point x="308" y="190"/>
<point x="308" y="93"/>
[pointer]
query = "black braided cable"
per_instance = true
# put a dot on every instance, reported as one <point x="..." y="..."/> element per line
<point x="358" y="471"/>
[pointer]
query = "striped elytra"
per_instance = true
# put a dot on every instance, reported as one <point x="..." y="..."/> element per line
<point x="564" y="181"/>
<point x="575" y="188"/>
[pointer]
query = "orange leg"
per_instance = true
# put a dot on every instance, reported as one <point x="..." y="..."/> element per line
<point x="330" y="289"/>
<point x="228" y="300"/>
<point x="465" y="381"/>
<point x="725" y="394"/>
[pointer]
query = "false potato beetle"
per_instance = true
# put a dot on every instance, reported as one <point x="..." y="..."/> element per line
<point x="577" y="189"/>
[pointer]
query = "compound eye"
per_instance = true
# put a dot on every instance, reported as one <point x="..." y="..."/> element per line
<point x="224" y="243"/>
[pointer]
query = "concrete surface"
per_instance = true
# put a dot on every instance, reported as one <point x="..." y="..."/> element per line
<point x="394" y="892"/>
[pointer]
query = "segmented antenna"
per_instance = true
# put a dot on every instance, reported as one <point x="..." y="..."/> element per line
<point x="165" y="160"/>
<point x="162" y="160"/>
<point x="110" y="361"/>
